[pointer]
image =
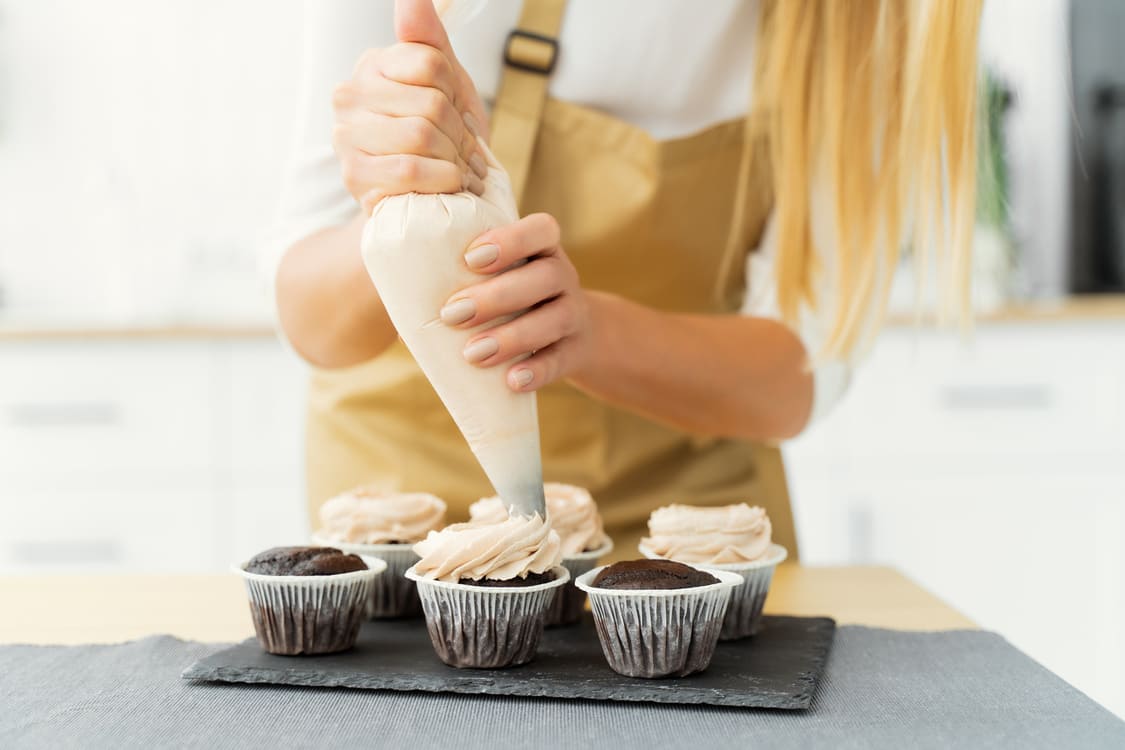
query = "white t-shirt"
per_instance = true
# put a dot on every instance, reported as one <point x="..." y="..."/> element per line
<point x="670" y="67"/>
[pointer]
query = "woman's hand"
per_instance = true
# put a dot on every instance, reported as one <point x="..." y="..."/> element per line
<point x="555" y="334"/>
<point x="407" y="120"/>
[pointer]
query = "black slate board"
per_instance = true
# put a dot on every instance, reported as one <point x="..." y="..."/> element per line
<point x="777" y="668"/>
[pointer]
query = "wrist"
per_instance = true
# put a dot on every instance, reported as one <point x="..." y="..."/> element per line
<point x="605" y="315"/>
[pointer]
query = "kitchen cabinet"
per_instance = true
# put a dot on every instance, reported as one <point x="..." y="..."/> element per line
<point x="991" y="470"/>
<point x="135" y="454"/>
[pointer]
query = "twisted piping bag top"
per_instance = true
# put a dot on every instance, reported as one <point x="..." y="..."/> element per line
<point x="413" y="248"/>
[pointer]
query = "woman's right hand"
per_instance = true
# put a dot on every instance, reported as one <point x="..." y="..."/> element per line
<point x="407" y="120"/>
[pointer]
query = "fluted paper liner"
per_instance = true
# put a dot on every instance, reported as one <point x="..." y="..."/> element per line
<point x="392" y="595"/>
<point x="744" y="615"/>
<point x="309" y="614"/>
<point x="486" y="627"/>
<point x="659" y="632"/>
<point x="569" y="602"/>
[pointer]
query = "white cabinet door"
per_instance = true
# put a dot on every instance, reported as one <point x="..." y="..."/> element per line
<point x="96" y="413"/>
<point x="162" y="529"/>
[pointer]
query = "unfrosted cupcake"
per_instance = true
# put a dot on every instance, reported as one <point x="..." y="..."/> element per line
<point x="385" y="525"/>
<point x="574" y="515"/>
<point x="308" y="600"/>
<point x="731" y="537"/>
<point x="486" y="588"/>
<point x="658" y="618"/>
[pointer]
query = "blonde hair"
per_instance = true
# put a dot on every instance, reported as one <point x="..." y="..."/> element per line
<point x="869" y="108"/>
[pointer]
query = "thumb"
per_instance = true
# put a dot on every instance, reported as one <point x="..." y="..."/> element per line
<point x="417" y="21"/>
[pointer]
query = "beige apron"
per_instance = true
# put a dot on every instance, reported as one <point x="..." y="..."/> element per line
<point x="648" y="220"/>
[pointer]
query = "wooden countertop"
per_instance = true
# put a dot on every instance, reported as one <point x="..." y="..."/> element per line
<point x="108" y="609"/>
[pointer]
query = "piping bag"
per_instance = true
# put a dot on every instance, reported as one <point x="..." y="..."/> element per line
<point x="413" y="248"/>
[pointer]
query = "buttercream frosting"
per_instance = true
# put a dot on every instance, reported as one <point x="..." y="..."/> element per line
<point x="571" y="512"/>
<point x="369" y="516"/>
<point x="502" y="551"/>
<point x="727" y="534"/>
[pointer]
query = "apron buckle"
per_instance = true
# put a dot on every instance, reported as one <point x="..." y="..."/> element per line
<point x="535" y="53"/>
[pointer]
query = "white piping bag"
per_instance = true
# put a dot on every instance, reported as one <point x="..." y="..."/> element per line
<point x="413" y="247"/>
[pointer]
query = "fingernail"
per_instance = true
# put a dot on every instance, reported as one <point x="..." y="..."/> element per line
<point x="521" y="378"/>
<point x="474" y="184"/>
<point x="478" y="165"/>
<point x="481" y="349"/>
<point x="481" y="256"/>
<point x="456" y="313"/>
<point x="471" y="124"/>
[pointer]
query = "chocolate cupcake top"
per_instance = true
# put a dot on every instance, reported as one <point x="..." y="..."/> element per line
<point x="637" y="575"/>
<point x="366" y="515"/>
<point x="304" y="561"/>
<point x="727" y="534"/>
<point x="570" y="510"/>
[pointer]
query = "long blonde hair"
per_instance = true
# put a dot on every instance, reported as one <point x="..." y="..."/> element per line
<point x="870" y="111"/>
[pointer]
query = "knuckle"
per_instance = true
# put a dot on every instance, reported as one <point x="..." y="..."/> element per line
<point x="427" y="63"/>
<point x="343" y="96"/>
<point x="368" y="62"/>
<point x="420" y="134"/>
<point x="405" y="168"/>
<point x="435" y="106"/>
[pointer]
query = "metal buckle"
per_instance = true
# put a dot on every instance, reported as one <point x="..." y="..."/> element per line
<point x="528" y="66"/>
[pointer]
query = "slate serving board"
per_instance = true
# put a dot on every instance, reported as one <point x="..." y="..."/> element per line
<point x="777" y="668"/>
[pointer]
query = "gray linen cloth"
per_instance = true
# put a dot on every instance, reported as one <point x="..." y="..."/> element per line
<point x="882" y="689"/>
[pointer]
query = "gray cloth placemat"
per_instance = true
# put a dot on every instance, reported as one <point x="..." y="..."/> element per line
<point x="882" y="688"/>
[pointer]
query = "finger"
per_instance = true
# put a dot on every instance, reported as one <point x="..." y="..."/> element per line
<point x="418" y="21"/>
<point x="542" y="368"/>
<point x="373" y="178"/>
<point x="508" y="293"/>
<point x="355" y="103"/>
<point x="497" y="249"/>
<point x="381" y="135"/>
<point x="534" y="330"/>
<point x="412" y="64"/>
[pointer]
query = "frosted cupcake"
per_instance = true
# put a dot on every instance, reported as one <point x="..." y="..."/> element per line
<point x="308" y="600"/>
<point x="573" y="514"/>
<point x="731" y="537"/>
<point x="486" y="588"/>
<point x="384" y="525"/>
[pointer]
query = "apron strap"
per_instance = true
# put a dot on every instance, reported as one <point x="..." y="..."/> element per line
<point x="529" y="58"/>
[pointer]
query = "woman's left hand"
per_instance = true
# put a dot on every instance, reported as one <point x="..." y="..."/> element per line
<point x="554" y="334"/>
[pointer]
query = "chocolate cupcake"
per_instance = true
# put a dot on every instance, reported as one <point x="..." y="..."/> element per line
<point x="385" y="525"/>
<point x="658" y="618"/>
<point x="574" y="516"/>
<point x="485" y="590"/>
<point x="308" y="600"/>
<point x="731" y="537"/>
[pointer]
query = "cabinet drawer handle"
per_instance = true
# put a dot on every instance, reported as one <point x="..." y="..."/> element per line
<point x="1009" y="397"/>
<point x="84" y="413"/>
<point x="63" y="552"/>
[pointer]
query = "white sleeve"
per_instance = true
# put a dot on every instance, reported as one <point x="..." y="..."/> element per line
<point x="830" y="378"/>
<point x="313" y="196"/>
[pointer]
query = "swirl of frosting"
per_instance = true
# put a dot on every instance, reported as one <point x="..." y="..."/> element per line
<point x="368" y="516"/>
<point x="570" y="510"/>
<point x="501" y="551"/>
<point x="727" y="534"/>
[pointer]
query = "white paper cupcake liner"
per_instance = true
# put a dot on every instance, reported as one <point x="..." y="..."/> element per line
<point x="486" y="627"/>
<point x="659" y="632"/>
<point x="569" y="602"/>
<point x="392" y="595"/>
<point x="744" y="615"/>
<point x="309" y="614"/>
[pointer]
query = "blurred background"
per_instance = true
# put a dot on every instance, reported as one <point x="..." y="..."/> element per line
<point x="150" y="420"/>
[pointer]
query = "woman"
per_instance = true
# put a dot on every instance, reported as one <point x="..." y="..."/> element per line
<point x="711" y="226"/>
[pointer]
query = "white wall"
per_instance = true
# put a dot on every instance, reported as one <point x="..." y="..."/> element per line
<point x="141" y="146"/>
